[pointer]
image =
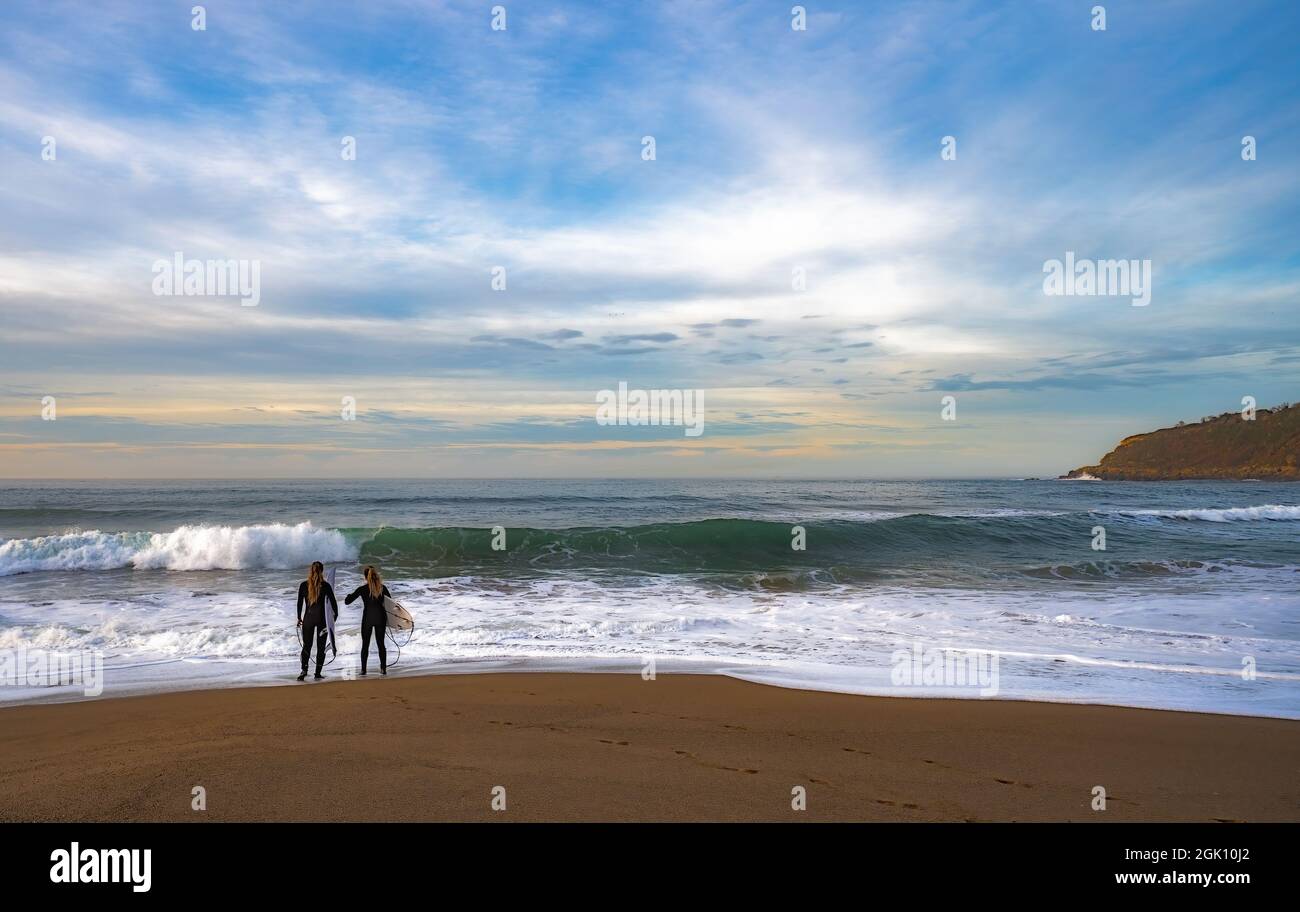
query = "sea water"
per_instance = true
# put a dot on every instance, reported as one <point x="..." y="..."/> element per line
<point x="1193" y="604"/>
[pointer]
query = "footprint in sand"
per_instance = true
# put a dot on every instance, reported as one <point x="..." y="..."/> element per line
<point x="716" y="766"/>
<point x="906" y="804"/>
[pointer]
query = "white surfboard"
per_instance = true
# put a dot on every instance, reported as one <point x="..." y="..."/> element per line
<point x="329" y="614"/>
<point x="398" y="617"/>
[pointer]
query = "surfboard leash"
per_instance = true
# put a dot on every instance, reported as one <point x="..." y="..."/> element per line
<point x="396" y="645"/>
<point x="334" y="652"/>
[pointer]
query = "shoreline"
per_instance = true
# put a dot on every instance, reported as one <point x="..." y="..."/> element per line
<point x="763" y="675"/>
<point x="597" y="746"/>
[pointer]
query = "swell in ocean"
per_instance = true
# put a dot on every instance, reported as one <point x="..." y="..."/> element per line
<point x="879" y="543"/>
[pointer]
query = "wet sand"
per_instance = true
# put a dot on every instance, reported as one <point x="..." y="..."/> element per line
<point x="602" y="747"/>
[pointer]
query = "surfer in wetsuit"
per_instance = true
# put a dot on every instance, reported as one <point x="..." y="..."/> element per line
<point x="373" y="617"/>
<point x="312" y="594"/>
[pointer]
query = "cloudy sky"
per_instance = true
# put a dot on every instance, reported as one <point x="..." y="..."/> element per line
<point x="776" y="150"/>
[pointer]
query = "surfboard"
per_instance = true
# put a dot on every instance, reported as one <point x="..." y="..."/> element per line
<point x="329" y="615"/>
<point x="398" y="617"/>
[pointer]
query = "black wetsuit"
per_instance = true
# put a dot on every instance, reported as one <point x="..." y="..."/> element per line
<point x="313" y="623"/>
<point x="373" y="619"/>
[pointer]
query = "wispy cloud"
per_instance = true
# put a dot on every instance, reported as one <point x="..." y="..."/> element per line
<point x="797" y="239"/>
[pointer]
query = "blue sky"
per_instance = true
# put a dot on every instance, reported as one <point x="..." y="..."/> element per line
<point x="776" y="150"/>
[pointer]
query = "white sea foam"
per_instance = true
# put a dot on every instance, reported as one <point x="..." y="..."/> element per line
<point x="275" y="547"/>
<point x="1273" y="512"/>
<point x="1171" y="649"/>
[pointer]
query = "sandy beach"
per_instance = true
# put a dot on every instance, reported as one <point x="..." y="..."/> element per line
<point x="601" y="747"/>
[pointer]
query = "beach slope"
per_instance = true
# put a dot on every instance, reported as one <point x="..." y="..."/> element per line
<point x="575" y="747"/>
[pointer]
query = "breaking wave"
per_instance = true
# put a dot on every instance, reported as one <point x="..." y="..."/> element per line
<point x="834" y="550"/>
<point x="272" y="547"/>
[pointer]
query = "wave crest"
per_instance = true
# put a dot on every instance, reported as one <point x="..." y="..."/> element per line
<point x="836" y="549"/>
<point x="273" y="547"/>
<point x="1275" y="512"/>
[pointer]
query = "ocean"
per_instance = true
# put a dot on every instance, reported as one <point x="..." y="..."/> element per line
<point x="1193" y="604"/>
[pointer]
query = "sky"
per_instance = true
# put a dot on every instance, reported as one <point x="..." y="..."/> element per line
<point x="128" y="135"/>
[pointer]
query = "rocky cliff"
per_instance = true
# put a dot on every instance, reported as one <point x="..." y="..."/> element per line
<point x="1223" y="446"/>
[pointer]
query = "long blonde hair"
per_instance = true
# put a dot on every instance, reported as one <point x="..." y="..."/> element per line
<point x="374" y="581"/>
<point x="315" y="579"/>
